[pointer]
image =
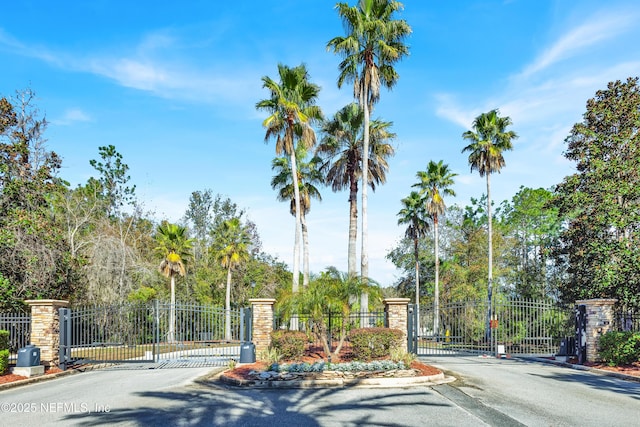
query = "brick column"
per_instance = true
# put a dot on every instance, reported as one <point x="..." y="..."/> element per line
<point x="600" y="318"/>
<point x="262" y="323"/>
<point x="396" y="309"/>
<point x="45" y="328"/>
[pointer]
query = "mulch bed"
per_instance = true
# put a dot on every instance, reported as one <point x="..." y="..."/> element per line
<point x="315" y="354"/>
<point x="9" y="378"/>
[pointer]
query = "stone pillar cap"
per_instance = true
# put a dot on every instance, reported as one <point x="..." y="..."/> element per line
<point x="46" y="302"/>
<point x="396" y="300"/>
<point x="262" y="300"/>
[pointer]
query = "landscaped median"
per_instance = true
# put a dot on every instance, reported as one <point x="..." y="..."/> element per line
<point x="259" y="375"/>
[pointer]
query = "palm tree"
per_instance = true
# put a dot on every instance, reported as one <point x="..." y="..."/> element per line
<point x="374" y="42"/>
<point x="308" y="175"/>
<point x="232" y="248"/>
<point x="174" y="248"/>
<point x="291" y="105"/>
<point x="435" y="183"/>
<point x="489" y="139"/>
<point x="341" y="147"/>
<point x="413" y="213"/>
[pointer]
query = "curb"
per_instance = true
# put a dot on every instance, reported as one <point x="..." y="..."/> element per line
<point x="341" y="382"/>
<point x="573" y="366"/>
<point x="40" y="378"/>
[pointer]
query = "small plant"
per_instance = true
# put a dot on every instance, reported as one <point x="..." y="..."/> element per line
<point x="4" y="352"/>
<point x="270" y="355"/>
<point x="232" y="364"/>
<point x="400" y="355"/>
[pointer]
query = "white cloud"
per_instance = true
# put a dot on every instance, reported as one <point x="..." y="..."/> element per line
<point x="71" y="116"/>
<point x="599" y="28"/>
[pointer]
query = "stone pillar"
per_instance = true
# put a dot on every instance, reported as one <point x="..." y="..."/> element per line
<point x="600" y="320"/>
<point x="261" y="323"/>
<point x="396" y="309"/>
<point x="45" y="328"/>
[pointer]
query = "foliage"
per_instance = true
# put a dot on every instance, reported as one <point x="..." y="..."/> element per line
<point x="332" y="291"/>
<point x="113" y="179"/>
<point x="402" y="356"/>
<point x="270" y="355"/>
<point x="4" y="361"/>
<point x="532" y="228"/>
<point x="34" y="257"/>
<point x="341" y="150"/>
<point x="374" y="366"/>
<point x="4" y="339"/>
<point x="142" y="295"/>
<point x="289" y="345"/>
<point x="372" y="343"/>
<point x="600" y="244"/>
<point x="619" y="348"/>
<point x="292" y="112"/>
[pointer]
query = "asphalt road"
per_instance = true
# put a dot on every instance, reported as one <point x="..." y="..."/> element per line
<point x="489" y="392"/>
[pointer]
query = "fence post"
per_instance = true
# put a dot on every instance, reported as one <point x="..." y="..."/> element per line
<point x="397" y="316"/>
<point x="45" y="328"/>
<point x="261" y="323"/>
<point x="600" y="320"/>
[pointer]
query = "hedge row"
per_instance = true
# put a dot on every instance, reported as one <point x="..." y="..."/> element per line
<point x="373" y="343"/>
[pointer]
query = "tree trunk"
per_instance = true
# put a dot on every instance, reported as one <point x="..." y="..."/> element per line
<point x="296" y="246"/>
<point x="305" y="251"/>
<point x="364" y="253"/>
<point x="227" y="307"/>
<point x="436" y="290"/>
<point x="172" y="312"/>
<point x="490" y="275"/>
<point x="416" y="254"/>
<point x="353" y="225"/>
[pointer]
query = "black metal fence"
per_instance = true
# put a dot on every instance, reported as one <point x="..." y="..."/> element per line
<point x="330" y="328"/>
<point x="506" y="326"/>
<point x="150" y="333"/>
<point x="19" y="327"/>
<point x="626" y="318"/>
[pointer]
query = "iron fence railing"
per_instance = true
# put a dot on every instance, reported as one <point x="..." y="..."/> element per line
<point x="626" y="318"/>
<point x="149" y="332"/>
<point x="19" y="327"/>
<point x="516" y="326"/>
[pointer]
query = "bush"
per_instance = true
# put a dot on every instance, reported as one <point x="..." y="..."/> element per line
<point x="4" y="361"/>
<point x="4" y="340"/>
<point x="373" y="343"/>
<point x="288" y="344"/>
<point x="620" y="348"/>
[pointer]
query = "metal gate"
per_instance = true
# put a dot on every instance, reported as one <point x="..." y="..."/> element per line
<point x="506" y="327"/>
<point x="179" y="335"/>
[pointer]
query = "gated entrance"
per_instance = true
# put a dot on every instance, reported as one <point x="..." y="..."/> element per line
<point x="183" y="334"/>
<point x="506" y="327"/>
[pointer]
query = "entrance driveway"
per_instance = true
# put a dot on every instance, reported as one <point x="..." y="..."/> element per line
<point x="489" y="392"/>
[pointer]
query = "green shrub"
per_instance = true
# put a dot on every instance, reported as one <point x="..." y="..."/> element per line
<point x="288" y="344"/>
<point x="4" y="361"/>
<point x="373" y="343"/>
<point x="620" y="348"/>
<point x="4" y="340"/>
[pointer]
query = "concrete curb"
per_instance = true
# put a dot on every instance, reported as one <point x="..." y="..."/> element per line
<point x="342" y="382"/>
<point x="584" y="368"/>
<point x="41" y="378"/>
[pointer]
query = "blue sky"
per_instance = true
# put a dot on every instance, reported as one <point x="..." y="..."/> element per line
<point x="173" y="86"/>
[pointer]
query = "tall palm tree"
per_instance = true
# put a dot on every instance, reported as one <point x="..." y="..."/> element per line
<point x="489" y="139"/>
<point x="413" y="214"/>
<point x="232" y="248"/>
<point x="341" y="148"/>
<point x="291" y="104"/>
<point x="435" y="183"/>
<point x="374" y="42"/>
<point x="174" y="248"/>
<point x="308" y="175"/>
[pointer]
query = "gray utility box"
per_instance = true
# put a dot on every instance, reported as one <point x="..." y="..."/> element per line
<point x="247" y="352"/>
<point x="28" y="356"/>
